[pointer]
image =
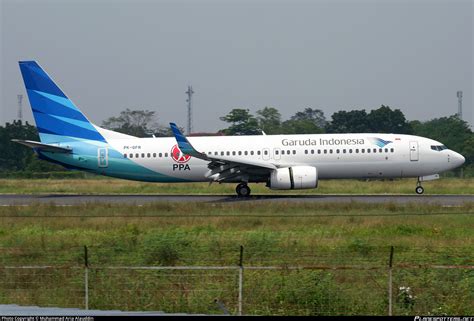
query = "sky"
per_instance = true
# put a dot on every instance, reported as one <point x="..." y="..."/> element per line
<point x="331" y="55"/>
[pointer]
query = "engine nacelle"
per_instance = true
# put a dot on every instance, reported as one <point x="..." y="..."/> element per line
<point x="295" y="177"/>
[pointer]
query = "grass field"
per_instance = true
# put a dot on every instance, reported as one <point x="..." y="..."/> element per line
<point x="275" y="234"/>
<point x="108" y="186"/>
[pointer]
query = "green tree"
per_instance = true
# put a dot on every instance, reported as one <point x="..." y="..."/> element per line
<point x="316" y="116"/>
<point x="269" y="120"/>
<point x="309" y="121"/>
<point x="468" y="149"/>
<point x="354" y="121"/>
<point x="242" y="123"/>
<point x="381" y="120"/>
<point x="16" y="157"/>
<point x="139" y="123"/>
<point x="386" y="120"/>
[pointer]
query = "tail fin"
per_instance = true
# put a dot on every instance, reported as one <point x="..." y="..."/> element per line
<point x="56" y="116"/>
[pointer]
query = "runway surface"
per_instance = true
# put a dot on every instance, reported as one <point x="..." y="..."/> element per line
<point x="71" y="199"/>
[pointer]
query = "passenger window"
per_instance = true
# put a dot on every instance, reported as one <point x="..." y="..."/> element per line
<point x="391" y="150"/>
<point x="265" y="152"/>
<point x="131" y="155"/>
<point x="343" y="151"/>
<point x="160" y="155"/>
<point x="240" y="153"/>
<point x="137" y="155"/>
<point x="294" y="152"/>
<point x="330" y="151"/>
<point x="357" y="150"/>
<point x="222" y="153"/>
<point x="246" y="153"/>
<point x="386" y="150"/>
<point x="306" y="151"/>
<point x="375" y="150"/>
<point x="350" y="151"/>
<point x="276" y="152"/>
<point x="337" y="151"/>
<point x="166" y="154"/>
<point x="251" y="152"/>
<point x="380" y="150"/>
<point x="319" y="151"/>
<point x="154" y="155"/>
<point x="228" y="153"/>
<point x="148" y="155"/>
<point x="312" y="151"/>
<point x="259" y="152"/>
<point x="362" y="150"/>
<point x="325" y="151"/>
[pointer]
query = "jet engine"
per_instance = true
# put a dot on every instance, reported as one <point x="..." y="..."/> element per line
<point x="295" y="177"/>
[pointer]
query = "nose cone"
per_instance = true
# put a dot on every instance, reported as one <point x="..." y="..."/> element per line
<point x="458" y="159"/>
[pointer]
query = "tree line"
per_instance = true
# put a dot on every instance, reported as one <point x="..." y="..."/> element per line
<point x="451" y="131"/>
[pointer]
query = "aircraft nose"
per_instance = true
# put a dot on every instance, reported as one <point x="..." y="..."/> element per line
<point x="458" y="159"/>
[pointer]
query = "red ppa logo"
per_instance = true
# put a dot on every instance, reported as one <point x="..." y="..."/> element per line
<point x="178" y="156"/>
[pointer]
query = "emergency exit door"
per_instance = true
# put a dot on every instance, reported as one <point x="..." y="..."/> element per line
<point x="414" y="151"/>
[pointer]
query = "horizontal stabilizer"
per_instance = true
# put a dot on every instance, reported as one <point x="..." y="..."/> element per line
<point x="43" y="147"/>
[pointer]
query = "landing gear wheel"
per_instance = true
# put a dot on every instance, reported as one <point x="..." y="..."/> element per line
<point x="242" y="190"/>
<point x="419" y="190"/>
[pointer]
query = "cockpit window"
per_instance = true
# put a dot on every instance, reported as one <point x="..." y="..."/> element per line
<point x="438" y="147"/>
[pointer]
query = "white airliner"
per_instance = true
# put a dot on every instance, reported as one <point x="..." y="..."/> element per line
<point x="282" y="162"/>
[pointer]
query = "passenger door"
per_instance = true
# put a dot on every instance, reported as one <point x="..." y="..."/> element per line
<point x="414" y="151"/>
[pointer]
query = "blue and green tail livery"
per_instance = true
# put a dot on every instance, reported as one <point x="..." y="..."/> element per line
<point x="56" y="116"/>
<point x="70" y="139"/>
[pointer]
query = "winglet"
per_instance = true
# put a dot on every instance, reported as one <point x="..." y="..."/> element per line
<point x="184" y="145"/>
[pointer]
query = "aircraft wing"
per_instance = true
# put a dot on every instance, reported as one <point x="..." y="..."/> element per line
<point x="222" y="168"/>
<point x="43" y="147"/>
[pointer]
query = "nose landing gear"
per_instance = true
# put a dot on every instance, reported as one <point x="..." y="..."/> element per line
<point x="243" y="190"/>
<point x="419" y="189"/>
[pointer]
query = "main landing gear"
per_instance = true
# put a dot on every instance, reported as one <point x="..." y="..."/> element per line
<point x="419" y="189"/>
<point x="243" y="190"/>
